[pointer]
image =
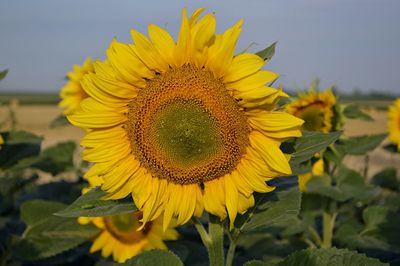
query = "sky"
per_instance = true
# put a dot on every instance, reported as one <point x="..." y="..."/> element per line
<point x="348" y="43"/>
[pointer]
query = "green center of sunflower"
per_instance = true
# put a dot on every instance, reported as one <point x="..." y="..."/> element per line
<point x="124" y="227"/>
<point x="186" y="133"/>
<point x="185" y="127"/>
<point x="313" y="118"/>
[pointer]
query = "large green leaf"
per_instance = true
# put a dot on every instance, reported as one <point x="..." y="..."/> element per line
<point x="18" y="145"/>
<point x="268" y="52"/>
<point x="47" y="235"/>
<point x="362" y="144"/>
<point x="310" y="144"/>
<point x="329" y="257"/>
<point x="155" y="257"/>
<point x="91" y="204"/>
<point x="353" y="112"/>
<point x="271" y="209"/>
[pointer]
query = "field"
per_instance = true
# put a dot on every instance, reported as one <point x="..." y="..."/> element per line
<point x="37" y="117"/>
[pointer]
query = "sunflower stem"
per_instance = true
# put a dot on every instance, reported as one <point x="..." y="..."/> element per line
<point x="233" y="237"/>
<point x="328" y="223"/>
<point x="213" y="240"/>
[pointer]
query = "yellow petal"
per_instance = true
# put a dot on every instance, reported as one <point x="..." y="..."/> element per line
<point x="270" y="152"/>
<point x="97" y="120"/>
<point x="163" y="42"/>
<point x="147" y="53"/>
<point x="127" y="65"/>
<point x="214" y="197"/>
<point x="231" y="199"/>
<point x="243" y="65"/>
<point x="245" y="203"/>
<point x="276" y="124"/>
<point x="181" y="49"/>
<point x="107" y="152"/>
<point x="221" y="53"/>
<point x="98" y="137"/>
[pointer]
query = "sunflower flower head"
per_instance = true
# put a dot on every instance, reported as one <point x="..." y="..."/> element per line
<point x="184" y="126"/>
<point x="394" y="123"/>
<point x="317" y="109"/>
<point x="72" y="93"/>
<point x="119" y="235"/>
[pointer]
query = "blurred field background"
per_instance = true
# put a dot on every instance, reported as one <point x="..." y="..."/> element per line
<point x="35" y="112"/>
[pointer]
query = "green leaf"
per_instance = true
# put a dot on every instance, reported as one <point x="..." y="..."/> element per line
<point x="329" y="257"/>
<point x="362" y="144"/>
<point x="387" y="178"/>
<point x="3" y="74"/>
<point x="310" y="144"/>
<point x="268" y="52"/>
<point x="257" y="263"/>
<point x="353" y="112"/>
<point x="271" y="209"/>
<point x="382" y="223"/>
<point x="59" y="121"/>
<point x="56" y="159"/>
<point x="348" y="185"/>
<point x="91" y="204"/>
<point x="18" y="145"/>
<point x="155" y="257"/>
<point x="391" y="148"/>
<point x="47" y="235"/>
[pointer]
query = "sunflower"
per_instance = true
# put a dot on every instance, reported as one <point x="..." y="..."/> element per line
<point x="119" y="235"/>
<point x="72" y="93"/>
<point x="317" y="109"/>
<point x="184" y="126"/>
<point x="317" y="170"/>
<point x="394" y="123"/>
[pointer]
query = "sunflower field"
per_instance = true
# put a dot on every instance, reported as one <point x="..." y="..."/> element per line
<point x="187" y="152"/>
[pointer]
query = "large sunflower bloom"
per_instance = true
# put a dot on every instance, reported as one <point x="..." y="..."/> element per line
<point x="119" y="235"/>
<point x="316" y="109"/>
<point x="394" y="123"/>
<point x="184" y="126"/>
<point x="72" y="93"/>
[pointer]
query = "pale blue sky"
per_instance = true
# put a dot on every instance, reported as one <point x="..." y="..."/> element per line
<point x="351" y="43"/>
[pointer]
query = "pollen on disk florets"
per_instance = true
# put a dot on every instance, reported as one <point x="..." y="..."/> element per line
<point x="185" y="127"/>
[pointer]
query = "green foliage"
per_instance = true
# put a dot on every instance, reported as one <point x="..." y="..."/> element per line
<point x="387" y="178"/>
<point x="155" y="257"/>
<point x="268" y="52"/>
<point x="274" y="208"/>
<point x="348" y="184"/>
<point x="18" y="145"/>
<point x="57" y="158"/>
<point x="257" y="263"/>
<point x="327" y="257"/>
<point x="91" y="204"/>
<point x="3" y="74"/>
<point x="383" y="224"/>
<point x="308" y="145"/>
<point x="353" y="111"/>
<point x="361" y="145"/>
<point x="47" y="235"/>
<point x="59" y="121"/>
